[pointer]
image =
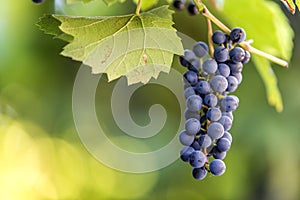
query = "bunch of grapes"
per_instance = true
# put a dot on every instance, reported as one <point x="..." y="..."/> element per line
<point x="191" y="7"/>
<point x="207" y="85"/>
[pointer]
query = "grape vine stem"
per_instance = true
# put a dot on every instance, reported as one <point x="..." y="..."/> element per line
<point x="206" y="13"/>
<point x="138" y="7"/>
<point x="209" y="34"/>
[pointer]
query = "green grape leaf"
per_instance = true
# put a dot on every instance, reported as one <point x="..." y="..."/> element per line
<point x="266" y="72"/>
<point x="147" y="4"/>
<point x="265" y="23"/>
<point x="50" y="26"/>
<point x="107" y="2"/>
<point x="136" y="46"/>
<point x="110" y="2"/>
<point x="298" y="4"/>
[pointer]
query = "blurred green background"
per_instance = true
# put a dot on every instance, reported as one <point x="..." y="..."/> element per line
<point x="41" y="156"/>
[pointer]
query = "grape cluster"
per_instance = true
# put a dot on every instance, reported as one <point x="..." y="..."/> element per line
<point x="191" y="7"/>
<point x="207" y="85"/>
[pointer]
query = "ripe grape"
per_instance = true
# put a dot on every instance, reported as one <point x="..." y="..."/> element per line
<point x="204" y="141"/>
<point x="191" y="77"/>
<point x="218" y="155"/>
<point x="232" y="84"/>
<point x="190" y="114"/>
<point x="192" y="9"/>
<point x="179" y="4"/>
<point x="211" y="100"/>
<point x="229" y="104"/>
<point x="223" y="144"/>
<point x="228" y="136"/>
<point x="215" y="130"/>
<point x="217" y="167"/>
<point x="228" y="114"/>
<point x="189" y="92"/>
<point x="235" y="67"/>
<point x="185" y="153"/>
<point x="221" y="54"/>
<point x="197" y="159"/>
<point x="186" y="139"/>
<point x="202" y="87"/>
<point x="219" y="37"/>
<point x="226" y="122"/>
<point x="200" y="49"/>
<point x="214" y="114"/>
<point x="218" y="83"/>
<point x="223" y="69"/>
<point x="38" y="1"/>
<point x="210" y="66"/>
<point x="247" y="57"/>
<point x="237" y="54"/>
<point x="237" y="35"/>
<point x="199" y="173"/>
<point x="194" y="103"/>
<point x="192" y="126"/>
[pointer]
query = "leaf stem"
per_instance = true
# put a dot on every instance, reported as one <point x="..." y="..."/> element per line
<point x="206" y="13"/>
<point x="209" y="34"/>
<point x="138" y="7"/>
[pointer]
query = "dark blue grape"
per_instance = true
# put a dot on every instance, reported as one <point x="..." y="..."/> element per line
<point x="196" y="145"/>
<point x="215" y="130"/>
<point x="237" y="35"/>
<point x="223" y="144"/>
<point x="211" y="100"/>
<point x="38" y="1"/>
<point x="229" y="103"/>
<point x="217" y="167"/>
<point x="247" y="57"/>
<point x="179" y="4"/>
<point x="183" y="61"/>
<point x="214" y="114"/>
<point x="200" y="49"/>
<point x="219" y="37"/>
<point x="223" y="70"/>
<point x="186" y="139"/>
<point x="221" y="54"/>
<point x="228" y="136"/>
<point x="191" y="77"/>
<point x="237" y="54"/>
<point x="190" y="114"/>
<point x="185" y="153"/>
<point x="217" y="154"/>
<point x="194" y="65"/>
<point x="235" y="67"/>
<point x="210" y="66"/>
<point x="199" y="173"/>
<point x="192" y="9"/>
<point x="189" y="92"/>
<point x="238" y="76"/>
<point x="197" y="159"/>
<point x="202" y="87"/>
<point x="226" y="122"/>
<point x="189" y="55"/>
<point x="194" y="103"/>
<point x="232" y="84"/>
<point x="218" y="83"/>
<point x="228" y="114"/>
<point x="192" y="126"/>
<point x="204" y="141"/>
